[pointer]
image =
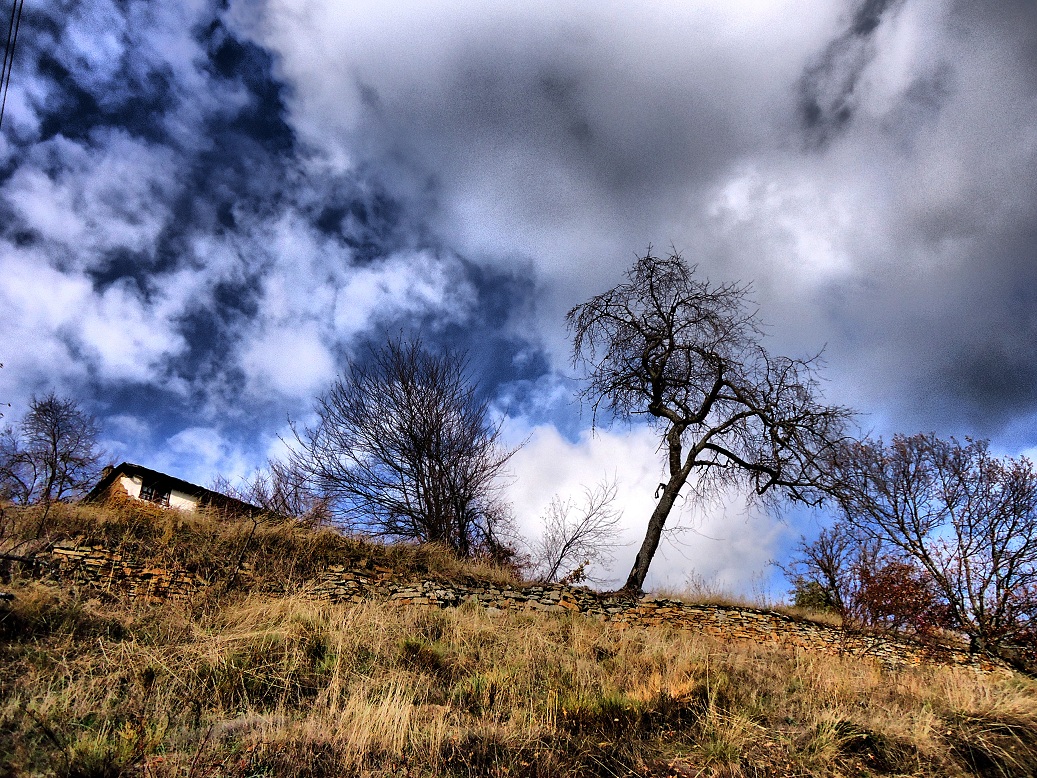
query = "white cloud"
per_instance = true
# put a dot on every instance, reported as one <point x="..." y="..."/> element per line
<point x="198" y="454"/>
<point x="131" y="339"/>
<point x="403" y="285"/>
<point x="292" y="360"/>
<point x="56" y="327"/>
<point x="315" y="301"/>
<point x="94" y="43"/>
<point x="720" y="543"/>
<point x="88" y="200"/>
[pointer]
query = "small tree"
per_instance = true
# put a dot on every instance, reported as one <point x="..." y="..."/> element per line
<point x="823" y="573"/>
<point x="576" y="536"/>
<point x="687" y="354"/>
<point x="52" y="455"/>
<point x="867" y="584"/>
<point x="965" y="518"/>
<point x="896" y="594"/>
<point x="405" y="449"/>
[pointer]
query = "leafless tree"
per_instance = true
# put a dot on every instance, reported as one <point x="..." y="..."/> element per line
<point x="576" y="536"/>
<point x="687" y="354"/>
<point x="966" y="517"/>
<point x="52" y="455"/>
<point x="404" y="448"/>
<point x="279" y="489"/>
<point x="822" y="572"/>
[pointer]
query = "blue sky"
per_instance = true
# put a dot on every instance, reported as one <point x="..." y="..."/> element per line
<point x="207" y="207"/>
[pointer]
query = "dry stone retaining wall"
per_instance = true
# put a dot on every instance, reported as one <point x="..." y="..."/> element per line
<point x="98" y="567"/>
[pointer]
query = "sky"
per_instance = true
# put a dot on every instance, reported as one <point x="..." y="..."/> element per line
<point x="208" y="208"/>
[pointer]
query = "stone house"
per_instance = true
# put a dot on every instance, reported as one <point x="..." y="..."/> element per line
<point x="142" y="483"/>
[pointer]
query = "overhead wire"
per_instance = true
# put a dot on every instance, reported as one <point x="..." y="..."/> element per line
<point x="9" y="46"/>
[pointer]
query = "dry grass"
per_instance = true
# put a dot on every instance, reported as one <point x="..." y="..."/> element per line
<point x="288" y="687"/>
<point x="276" y="553"/>
<point x="247" y="685"/>
<point x="698" y="594"/>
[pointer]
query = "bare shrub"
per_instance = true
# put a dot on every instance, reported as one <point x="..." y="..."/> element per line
<point x="280" y="489"/>
<point x="577" y="536"/>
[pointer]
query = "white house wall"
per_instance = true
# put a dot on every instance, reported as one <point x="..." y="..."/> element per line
<point x="183" y="502"/>
<point x="131" y="485"/>
<point x="177" y="499"/>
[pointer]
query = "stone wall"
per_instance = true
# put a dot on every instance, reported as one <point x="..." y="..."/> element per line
<point x="100" y="568"/>
<point x="97" y="567"/>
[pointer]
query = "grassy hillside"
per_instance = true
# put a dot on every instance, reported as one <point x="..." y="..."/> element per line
<point x="241" y="684"/>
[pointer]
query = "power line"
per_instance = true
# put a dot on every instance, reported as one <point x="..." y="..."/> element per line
<point x="12" y="40"/>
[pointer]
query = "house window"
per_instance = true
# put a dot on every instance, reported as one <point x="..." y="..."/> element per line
<point x="153" y="492"/>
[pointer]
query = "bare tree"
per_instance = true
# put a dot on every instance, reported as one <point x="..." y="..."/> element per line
<point x="574" y="537"/>
<point x="52" y="455"/>
<point x="687" y="354"/>
<point x="281" y="490"/>
<point x="404" y="448"/>
<point x="964" y="516"/>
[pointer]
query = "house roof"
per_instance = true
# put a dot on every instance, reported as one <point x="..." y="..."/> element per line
<point x="206" y="496"/>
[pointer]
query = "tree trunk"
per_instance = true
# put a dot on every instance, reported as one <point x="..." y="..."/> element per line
<point x="654" y="534"/>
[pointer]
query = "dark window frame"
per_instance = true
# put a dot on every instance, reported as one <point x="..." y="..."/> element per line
<point x="153" y="491"/>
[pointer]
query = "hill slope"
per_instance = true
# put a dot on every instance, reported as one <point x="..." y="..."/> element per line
<point x="236" y="683"/>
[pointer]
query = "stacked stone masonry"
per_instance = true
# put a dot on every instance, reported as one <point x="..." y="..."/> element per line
<point x="97" y="567"/>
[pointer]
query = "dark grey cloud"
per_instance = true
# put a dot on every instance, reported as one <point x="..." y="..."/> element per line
<point x="829" y="85"/>
<point x="952" y="303"/>
<point x="546" y="122"/>
<point x="975" y="338"/>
